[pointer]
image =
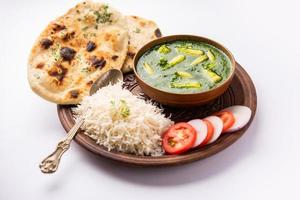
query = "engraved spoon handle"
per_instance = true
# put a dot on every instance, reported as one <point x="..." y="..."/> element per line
<point x="50" y="163"/>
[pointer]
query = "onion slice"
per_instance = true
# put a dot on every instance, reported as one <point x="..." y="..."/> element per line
<point x="201" y="130"/>
<point x="242" y="115"/>
<point x="218" y="126"/>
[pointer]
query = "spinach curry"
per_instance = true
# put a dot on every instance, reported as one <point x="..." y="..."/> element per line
<point x="184" y="67"/>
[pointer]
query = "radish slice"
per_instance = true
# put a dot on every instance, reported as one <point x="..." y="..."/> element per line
<point x="218" y="126"/>
<point x="201" y="130"/>
<point x="242" y="115"/>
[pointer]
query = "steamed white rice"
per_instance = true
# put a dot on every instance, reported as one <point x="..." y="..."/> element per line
<point x="119" y="120"/>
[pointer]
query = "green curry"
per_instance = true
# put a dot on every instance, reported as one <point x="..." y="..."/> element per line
<point x="184" y="67"/>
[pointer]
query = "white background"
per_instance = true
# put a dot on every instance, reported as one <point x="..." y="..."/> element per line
<point x="263" y="164"/>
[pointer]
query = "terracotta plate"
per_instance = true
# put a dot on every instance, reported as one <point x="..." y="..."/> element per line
<point x="240" y="92"/>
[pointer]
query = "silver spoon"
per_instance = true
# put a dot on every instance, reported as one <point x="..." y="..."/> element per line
<point x="50" y="163"/>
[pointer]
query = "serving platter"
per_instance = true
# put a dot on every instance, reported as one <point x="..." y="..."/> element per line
<point x="241" y="92"/>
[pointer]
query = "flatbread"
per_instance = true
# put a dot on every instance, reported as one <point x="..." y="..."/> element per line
<point x="75" y="49"/>
<point x="140" y="31"/>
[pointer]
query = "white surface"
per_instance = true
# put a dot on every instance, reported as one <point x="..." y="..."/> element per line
<point x="263" y="164"/>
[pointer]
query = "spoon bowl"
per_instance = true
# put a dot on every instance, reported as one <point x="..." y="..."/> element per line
<point x="112" y="76"/>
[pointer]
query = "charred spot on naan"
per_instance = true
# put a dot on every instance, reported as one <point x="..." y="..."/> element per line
<point x="74" y="93"/>
<point x="114" y="57"/>
<point x="97" y="63"/>
<point x="56" y="27"/>
<point x="68" y="35"/>
<point x="89" y="83"/>
<point x="91" y="46"/>
<point x="130" y="54"/>
<point x="157" y="33"/>
<point x="58" y="72"/>
<point x="40" y="65"/>
<point x="67" y="53"/>
<point x="61" y="33"/>
<point x="46" y="43"/>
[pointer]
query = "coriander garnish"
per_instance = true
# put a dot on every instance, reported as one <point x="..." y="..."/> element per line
<point x="102" y="15"/>
<point x="85" y="70"/>
<point x="137" y="30"/>
<point x="85" y="28"/>
<point x="119" y="110"/>
<point x="124" y="109"/>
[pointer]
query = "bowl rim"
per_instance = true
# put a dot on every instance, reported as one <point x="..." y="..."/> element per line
<point x="178" y="37"/>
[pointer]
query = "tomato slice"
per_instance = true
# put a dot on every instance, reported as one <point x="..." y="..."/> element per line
<point x="179" y="138"/>
<point x="227" y="118"/>
<point x="210" y="132"/>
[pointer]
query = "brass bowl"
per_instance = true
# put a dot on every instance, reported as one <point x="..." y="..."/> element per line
<point x="183" y="100"/>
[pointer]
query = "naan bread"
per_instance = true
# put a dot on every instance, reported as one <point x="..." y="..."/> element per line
<point x="75" y="49"/>
<point x="141" y="31"/>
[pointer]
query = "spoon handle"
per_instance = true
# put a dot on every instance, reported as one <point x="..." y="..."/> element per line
<point x="50" y="163"/>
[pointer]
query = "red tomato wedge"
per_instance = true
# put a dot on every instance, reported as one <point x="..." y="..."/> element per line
<point x="179" y="138"/>
<point x="210" y="132"/>
<point x="227" y="118"/>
